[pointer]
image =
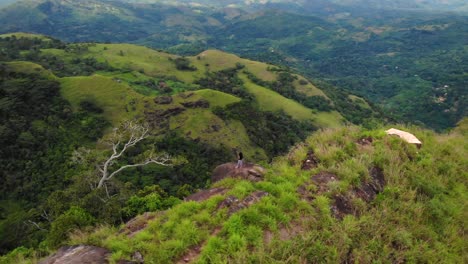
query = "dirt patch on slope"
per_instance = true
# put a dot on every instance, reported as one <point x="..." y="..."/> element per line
<point x="320" y="185"/>
<point x="160" y="118"/>
<point x="311" y="161"/>
<point x="365" y="141"/>
<point x="138" y="223"/>
<point x="294" y="229"/>
<point x="342" y="204"/>
<point x="202" y="103"/>
<point x="234" y="205"/>
<point x="163" y="100"/>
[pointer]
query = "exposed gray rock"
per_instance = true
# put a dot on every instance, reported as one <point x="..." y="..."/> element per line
<point x="78" y="255"/>
<point x="138" y="258"/>
<point x="248" y="171"/>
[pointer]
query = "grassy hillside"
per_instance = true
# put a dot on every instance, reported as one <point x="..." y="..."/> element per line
<point x="28" y="68"/>
<point x="61" y="104"/>
<point x="158" y="64"/>
<point x="325" y="214"/>
<point x="385" y="51"/>
<point x="118" y="101"/>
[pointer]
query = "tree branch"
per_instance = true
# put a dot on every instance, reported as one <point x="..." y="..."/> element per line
<point x="135" y="133"/>
<point x="163" y="162"/>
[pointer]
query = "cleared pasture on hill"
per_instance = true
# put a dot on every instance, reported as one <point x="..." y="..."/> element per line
<point x="24" y="35"/>
<point x="217" y="98"/>
<point x="29" y="68"/>
<point x="139" y="58"/>
<point x="272" y="101"/>
<point x="118" y="101"/>
<point x="219" y="60"/>
<point x="202" y="124"/>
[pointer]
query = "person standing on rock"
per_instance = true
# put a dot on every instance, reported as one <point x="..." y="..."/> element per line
<point x="240" y="160"/>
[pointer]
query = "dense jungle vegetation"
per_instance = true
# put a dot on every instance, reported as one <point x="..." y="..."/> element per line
<point x="47" y="189"/>
<point x="410" y="61"/>
<point x="322" y="82"/>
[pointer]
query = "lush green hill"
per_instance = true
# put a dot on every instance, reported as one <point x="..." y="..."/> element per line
<point x="367" y="197"/>
<point x="388" y="57"/>
<point x="62" y="103"/>
<point x="388" y="52"/>
<point x="413" y="67"/>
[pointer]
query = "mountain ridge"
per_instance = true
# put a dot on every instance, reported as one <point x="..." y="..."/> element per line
<point x="63" y="102"/>
<point x="388" y="57"/>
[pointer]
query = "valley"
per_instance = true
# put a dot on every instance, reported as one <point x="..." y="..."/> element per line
<point x="388" y="56"/>
<point x="153" y="131"/>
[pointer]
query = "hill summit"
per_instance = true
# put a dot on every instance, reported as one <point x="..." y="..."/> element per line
<point x="364" y="200"/>
<point x="119" y="153"/>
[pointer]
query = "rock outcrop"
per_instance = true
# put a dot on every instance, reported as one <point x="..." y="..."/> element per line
<point x="78" y="255"/>
<point x="249" y="171"/>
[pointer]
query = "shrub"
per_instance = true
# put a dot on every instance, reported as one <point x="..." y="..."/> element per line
<point x="183" y="64"/>
<point x="74" y="218"/>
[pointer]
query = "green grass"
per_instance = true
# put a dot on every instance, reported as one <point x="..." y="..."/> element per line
<point x="203" y="124"/>
<point x="308" y="89"/>
<point x="219" y="60"/>
<point x="360" y="101"/>
<point x="144" y="62"/>
<point x="272" y="101"/>
<point x="29" y="68"/>
<point x="118" y="101"/>
<point x="328" y="119"/>
<point x="59" y="53"/>
<point x="24" y="35"/>
<point x="420" y="216"/>
<point x="217" y="98"/>
<point x="152" y="62"/>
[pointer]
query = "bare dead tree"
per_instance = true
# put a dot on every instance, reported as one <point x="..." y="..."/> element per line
<point x="35" y="224"/>
<point x="124" y="138"/>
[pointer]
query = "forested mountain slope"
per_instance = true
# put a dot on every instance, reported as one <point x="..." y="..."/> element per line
<point x="62" y="104"/>
<point x="398" y="55"/>
<point x="344" y="195"/>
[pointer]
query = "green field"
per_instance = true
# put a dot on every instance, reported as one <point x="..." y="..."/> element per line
<point x="29" y="68"/>
<point x="118" y="101"/>
<point x="24" y="35"/>
<point x="271" y="101"/>
<point x="217" y="98"/>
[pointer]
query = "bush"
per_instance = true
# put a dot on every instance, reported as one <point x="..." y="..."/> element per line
<point x="183" y="64"/>
<point x="150" y="199"/>
<point x="74" y="218"/>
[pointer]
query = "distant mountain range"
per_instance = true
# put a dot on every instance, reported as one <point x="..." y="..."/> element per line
<point x="308" y="6"/>
<point x="387" y="51"/>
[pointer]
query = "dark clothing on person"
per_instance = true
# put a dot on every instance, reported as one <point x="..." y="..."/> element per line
<point x="240" y="162"/>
